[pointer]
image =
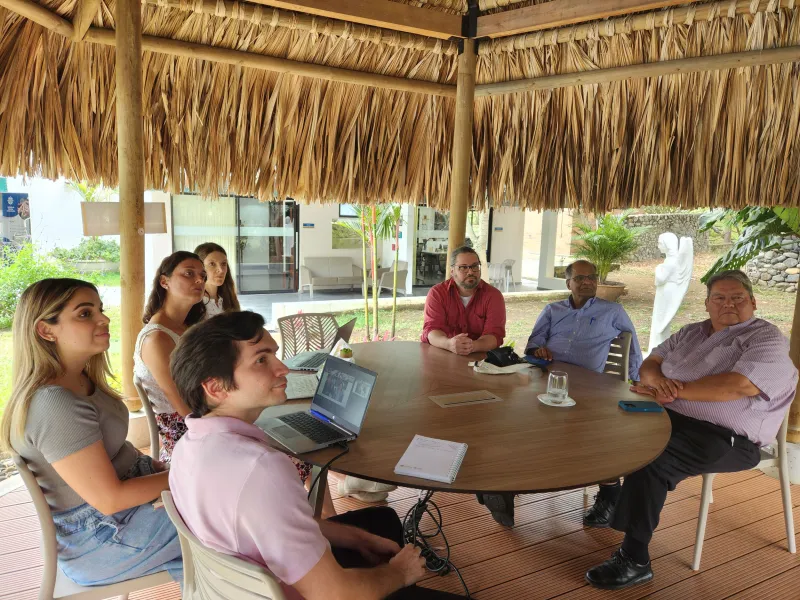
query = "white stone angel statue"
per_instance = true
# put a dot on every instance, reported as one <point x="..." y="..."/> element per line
<point x="672" y="282"/>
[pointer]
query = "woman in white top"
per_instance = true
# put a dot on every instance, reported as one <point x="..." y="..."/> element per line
<point x="175" y="304"/>
<point x="220" y="294"/>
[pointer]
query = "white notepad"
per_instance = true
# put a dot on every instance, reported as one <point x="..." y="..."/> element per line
<point x="433" y="459"/>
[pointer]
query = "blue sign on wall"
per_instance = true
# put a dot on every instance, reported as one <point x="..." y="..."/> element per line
<point x="11" y="203"/>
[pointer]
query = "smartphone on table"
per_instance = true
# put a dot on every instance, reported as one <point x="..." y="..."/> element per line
<point x="640" y="406"/>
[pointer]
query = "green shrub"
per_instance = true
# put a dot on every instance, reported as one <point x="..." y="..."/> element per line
<point x="22" y="268"/>
<point x="608" y="243"/>
<point x="90" y="249"/>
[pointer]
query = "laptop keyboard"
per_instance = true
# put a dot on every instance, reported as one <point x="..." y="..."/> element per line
<point x="313" y="361"/>
<point x="313" y="429"/>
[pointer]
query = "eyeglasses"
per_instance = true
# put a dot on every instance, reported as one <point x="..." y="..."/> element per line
<point x="466" y="268"/>
<point x="735" y="300"/>
<point x="579" y="279"/>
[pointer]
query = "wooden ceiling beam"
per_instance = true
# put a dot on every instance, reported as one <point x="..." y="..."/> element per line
<point x="252" y="60"/>
<point x="41" y="15"/>
<point x="684" y="66"/>
<point x="378" y="13"/>
<point x="560" y="13"/>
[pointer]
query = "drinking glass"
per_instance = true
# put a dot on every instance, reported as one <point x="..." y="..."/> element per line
<point x="557" y="386"/>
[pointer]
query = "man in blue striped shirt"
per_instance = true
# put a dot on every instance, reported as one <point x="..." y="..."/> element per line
<point x="579" y="331"/>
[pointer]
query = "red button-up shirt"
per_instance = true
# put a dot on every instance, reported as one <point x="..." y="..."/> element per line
<point x="484" y="315"/>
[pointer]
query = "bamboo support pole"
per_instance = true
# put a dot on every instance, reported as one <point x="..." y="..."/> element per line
<point x="793" y="433"/>
<point x="276" y="65"/>
<point x="39" y="14"/>
<point x="658" y="69"/>
<point x="275" y="17"/>
<point x="130" y="141"/>
<point x="631" y="23"/>
<point x="462" y="147"/>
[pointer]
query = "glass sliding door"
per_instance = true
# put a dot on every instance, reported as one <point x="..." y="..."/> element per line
<point x="267" y="246"/>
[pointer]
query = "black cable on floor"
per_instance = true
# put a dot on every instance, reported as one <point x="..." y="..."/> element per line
<point x="412" y="534"/>
<point x="325" y="468"/>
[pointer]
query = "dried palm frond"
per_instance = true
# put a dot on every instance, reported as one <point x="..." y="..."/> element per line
<point x="719" y="138"/>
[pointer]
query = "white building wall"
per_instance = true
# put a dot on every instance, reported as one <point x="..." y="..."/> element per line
<point x="55" y="212"/>
<point x="508" y="232"/>
<point x="157" y="246"/>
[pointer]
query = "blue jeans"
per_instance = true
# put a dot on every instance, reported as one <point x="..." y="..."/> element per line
<point x="98" y="549"/>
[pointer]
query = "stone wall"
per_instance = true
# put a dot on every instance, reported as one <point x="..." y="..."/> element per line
<point x="681" y="224"/>
<point x="779" y="269"/>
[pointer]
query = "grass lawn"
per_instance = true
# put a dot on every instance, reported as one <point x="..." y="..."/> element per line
<point x="777" y="307"/>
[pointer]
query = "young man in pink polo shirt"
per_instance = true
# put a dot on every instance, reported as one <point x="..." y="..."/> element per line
<point x="240" y="496"/>
<point x="464" y="314"/>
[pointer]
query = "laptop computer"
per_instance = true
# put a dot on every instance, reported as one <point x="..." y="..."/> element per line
<point x="336" y="414"/>
<point x="313" y="359"/>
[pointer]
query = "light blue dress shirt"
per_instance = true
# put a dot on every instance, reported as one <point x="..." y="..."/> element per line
<point x="582" y="336"/>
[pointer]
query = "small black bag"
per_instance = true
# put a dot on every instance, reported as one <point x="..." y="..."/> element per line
<point x="503" y="357"/>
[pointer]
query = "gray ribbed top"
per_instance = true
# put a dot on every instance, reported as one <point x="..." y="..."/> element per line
<point x="61" y="423"/>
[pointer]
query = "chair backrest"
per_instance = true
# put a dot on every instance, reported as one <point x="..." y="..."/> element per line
<point x="497" y="272"/>
<point x="212" y="575"/>
<point x="306" y="331"/>
<point x="508" y="263"/>
<point x="152" y="426"/>
<point x="619" y="356"/>
<point x="49" y="547"/>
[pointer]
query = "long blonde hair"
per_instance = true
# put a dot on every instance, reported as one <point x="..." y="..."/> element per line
<point x="35" y="360"/>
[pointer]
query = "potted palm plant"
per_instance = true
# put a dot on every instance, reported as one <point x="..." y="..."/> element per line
<point x="605" y="244"/>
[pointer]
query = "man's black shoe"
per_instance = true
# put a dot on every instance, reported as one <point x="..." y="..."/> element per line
<point x="501" y="505"/>
<point x="600" y="514"/>
<point x="618" y="572"/>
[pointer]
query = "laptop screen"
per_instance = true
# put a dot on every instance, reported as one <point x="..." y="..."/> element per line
<point x="343" y="393"/>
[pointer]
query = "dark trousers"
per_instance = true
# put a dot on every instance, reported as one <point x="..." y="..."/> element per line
<point x="382" y="521"/>
<point x="695" y="447"/>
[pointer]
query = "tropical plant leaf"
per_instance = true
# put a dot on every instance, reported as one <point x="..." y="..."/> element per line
<point x="790" y="217"/>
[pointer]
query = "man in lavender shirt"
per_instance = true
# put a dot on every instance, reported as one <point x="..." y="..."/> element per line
<point x="240" y="496"/>
<point x="726" y="383"/>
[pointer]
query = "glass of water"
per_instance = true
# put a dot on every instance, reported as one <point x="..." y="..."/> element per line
<point x="557" y="386"/>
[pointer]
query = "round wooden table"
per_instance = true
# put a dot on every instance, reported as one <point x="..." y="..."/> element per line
<point x="518" y="445"/>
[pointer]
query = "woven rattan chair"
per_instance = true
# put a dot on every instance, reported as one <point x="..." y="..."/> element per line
<point x="306" y="331"/>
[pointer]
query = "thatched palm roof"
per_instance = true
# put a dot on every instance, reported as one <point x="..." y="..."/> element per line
<point x="720" y="137"/>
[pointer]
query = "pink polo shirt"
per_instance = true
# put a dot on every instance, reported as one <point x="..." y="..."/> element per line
<point x="241" y="497"/>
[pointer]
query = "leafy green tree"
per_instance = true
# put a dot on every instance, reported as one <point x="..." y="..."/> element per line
<point x="761" y="231"/>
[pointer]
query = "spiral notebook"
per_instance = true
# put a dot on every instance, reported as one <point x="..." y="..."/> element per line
<point x="433" y="459"/>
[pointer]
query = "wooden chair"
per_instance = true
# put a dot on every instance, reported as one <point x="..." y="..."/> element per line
<point x="155" y="442"/>
<point x="619" y="355"/>
<point x="306" y="331"/>
<point x="767" y="460"/>
<point x="54" y="583"/>
<point x="212" y="575"/>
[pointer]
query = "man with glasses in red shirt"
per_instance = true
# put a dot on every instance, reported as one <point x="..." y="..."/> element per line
<point x="464" y="314"/>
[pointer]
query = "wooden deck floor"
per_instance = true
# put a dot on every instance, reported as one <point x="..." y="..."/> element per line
<point x="547" y="553"/>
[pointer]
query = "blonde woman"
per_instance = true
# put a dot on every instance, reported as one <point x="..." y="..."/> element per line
<point x="175" y="304"/>
<point x="220" y="294"/>
<point x="70" y="427"/>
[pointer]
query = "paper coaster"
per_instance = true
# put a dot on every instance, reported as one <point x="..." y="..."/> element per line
<point x="545" y="399"/>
